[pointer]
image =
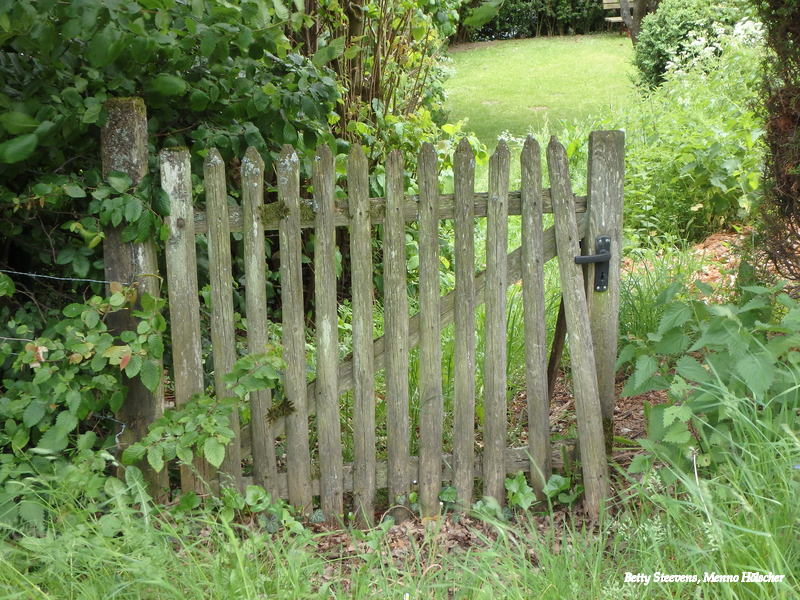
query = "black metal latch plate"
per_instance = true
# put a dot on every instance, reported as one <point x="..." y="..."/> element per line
<point x="601" y="259"/>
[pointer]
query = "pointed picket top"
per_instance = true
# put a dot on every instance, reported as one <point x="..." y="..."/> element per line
<point x="464" y="154"/>
<point x="252" y="163"/>
<point x="501" y="152"/>
<point x="358" y="177"/>
<point x="395" y="160"/>
<point x="323" y="156"/>
<point x="428" y="153"/>
<point x="213" y="159"/>
<point x="531" y="149"/>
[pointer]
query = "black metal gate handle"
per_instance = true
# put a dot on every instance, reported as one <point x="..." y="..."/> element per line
<point x="601" y="258"/>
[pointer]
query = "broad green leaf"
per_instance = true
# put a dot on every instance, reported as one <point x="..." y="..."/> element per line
<point x="677" y="412"/>
<point x="688" y="368"/>
<point x="332" y="50"/>
<point x="74" y="191"/>
<point x="213" y="451"/>
<point x="33" y="413"/>
<point x="675" y="315"/>
<point x="18" y="149"/>
<point x="677" y="433"/>
<point x="151" y="375"/>
<point x="133" y="454"/>
<point x="32" y="512"/>
<point x="758" y="372"/>
<point x="119" y="181"/>
<point x="17" y="123"/>
<point x="646" y="367"/>
<point x="54" y="439"/>
<point x="280" y="9"/>
<point x="155" y="457"/>
<point x="168" y="85"/>
<point x="7" y="287"/>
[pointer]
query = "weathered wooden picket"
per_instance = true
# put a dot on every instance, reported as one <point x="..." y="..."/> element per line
<point x="591" y="318"/>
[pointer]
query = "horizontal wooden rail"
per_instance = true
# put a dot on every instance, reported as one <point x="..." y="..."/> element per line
<point x="516" y="460"/>
<point x="377" y="208"/>
<point x="447" y="314"/>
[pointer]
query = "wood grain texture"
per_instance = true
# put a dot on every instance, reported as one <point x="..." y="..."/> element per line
<point x="223" y="343"/>
<point x="396" y="331"/>
<point x="329" y="431"/>
<point x="431" y="407"/>
<point x="464" y="314"/>
<point x="184" y="302"/>
<point x="364" y="449"/>
<point x="587" y="401"/>
<point x="123" y="147"/>
<point x="265" y="470"/>
<point x="273" y="213"/>
<point x="605" y="183"/>
<point x="298" y="460"/>
<point x="494" y="370"/>
<point x="534" y="317"/>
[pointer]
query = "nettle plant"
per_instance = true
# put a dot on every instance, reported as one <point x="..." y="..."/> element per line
<point x="724" y="366"/>
<point x="59" y="390"/>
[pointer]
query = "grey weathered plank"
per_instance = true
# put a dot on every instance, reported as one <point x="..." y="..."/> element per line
<point x="516" y="459"/>
<point x="431" y="409"/>
<point x="265" y="471"/>
<point x="534" y="317"/>
<point x="556" y="350"/>
<point x="329" y="431"/>
<point x="494" y="369"/>
<point x="298" y="461"/>
<point x="184" y="302"/>
<point x="464" y="388"/>
<point x="123" y="147"/>
<point x="584" y="377"/>
<point x="364" y="449"/>
<point x="221" y="278"/>
<point x="447" y="312"/>
<point x="396" y="330"/>
<point x="606" y="182"/>
<point x="273" y="212"/>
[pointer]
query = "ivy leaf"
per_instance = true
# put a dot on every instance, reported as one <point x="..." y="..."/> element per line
<point x="18" y="149"/>
<point x="213" y="451"/>
<point x="151" y="375"/>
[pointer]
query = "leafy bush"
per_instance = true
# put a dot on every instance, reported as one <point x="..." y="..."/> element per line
<point x="529" y="18"/>
<point x="724" y="366"/>
<point x="679" y="28"/>
<point x="694" y="147"/>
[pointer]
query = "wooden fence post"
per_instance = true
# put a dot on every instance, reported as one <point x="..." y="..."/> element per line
<point x="262" y="442"/>
<point x="605" y="181"/>
<point x="431" y="411"/>
<point x="494" y="370"/>
<point x="363" y="362"/>
<point x="534" y="314"/>
<point x="464" y="385"/>
<point x="123" y="148"/>
<point x="587" y="402"/>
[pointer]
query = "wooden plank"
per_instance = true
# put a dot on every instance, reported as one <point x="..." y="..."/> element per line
<point x="534" y="317"/>
<point x="447" y="312"/>
<point x="556" y="350"/>
<point x="364" y="448"/>
<point x="396" y="329"/>
<point x="123" y="147"/>
<point x="431" y="407"/>
<point x="494" y="369"/>
<point x="298" y="460"/>
<point x="329" y="431"/>
<point x="223" y="343"/>
<point x="265" y="471"/>
<point x="584" y="377"/>
<point x="273" y="213"/>
<point x="464" y="357"/>
<point x="184" y="302"/>
<point x="605" y="182"/>
<point x="516" y="459"/>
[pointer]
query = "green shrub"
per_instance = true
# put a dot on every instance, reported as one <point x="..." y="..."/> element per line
<point x="694" y="147"/>
<point x="529" y="18"/>
<point x="679" y="28"/>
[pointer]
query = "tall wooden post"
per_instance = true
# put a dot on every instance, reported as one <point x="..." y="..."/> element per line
<point x="123" y="148"/>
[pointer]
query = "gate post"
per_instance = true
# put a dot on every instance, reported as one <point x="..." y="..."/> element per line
<point x="604" y="205"/>
<point x="123" y="148"/>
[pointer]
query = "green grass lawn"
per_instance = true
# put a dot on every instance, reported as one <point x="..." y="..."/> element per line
<point x="518" y="85"/>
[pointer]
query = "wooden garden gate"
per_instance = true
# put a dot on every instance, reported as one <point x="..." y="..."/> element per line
<point x="591" y="317"/>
